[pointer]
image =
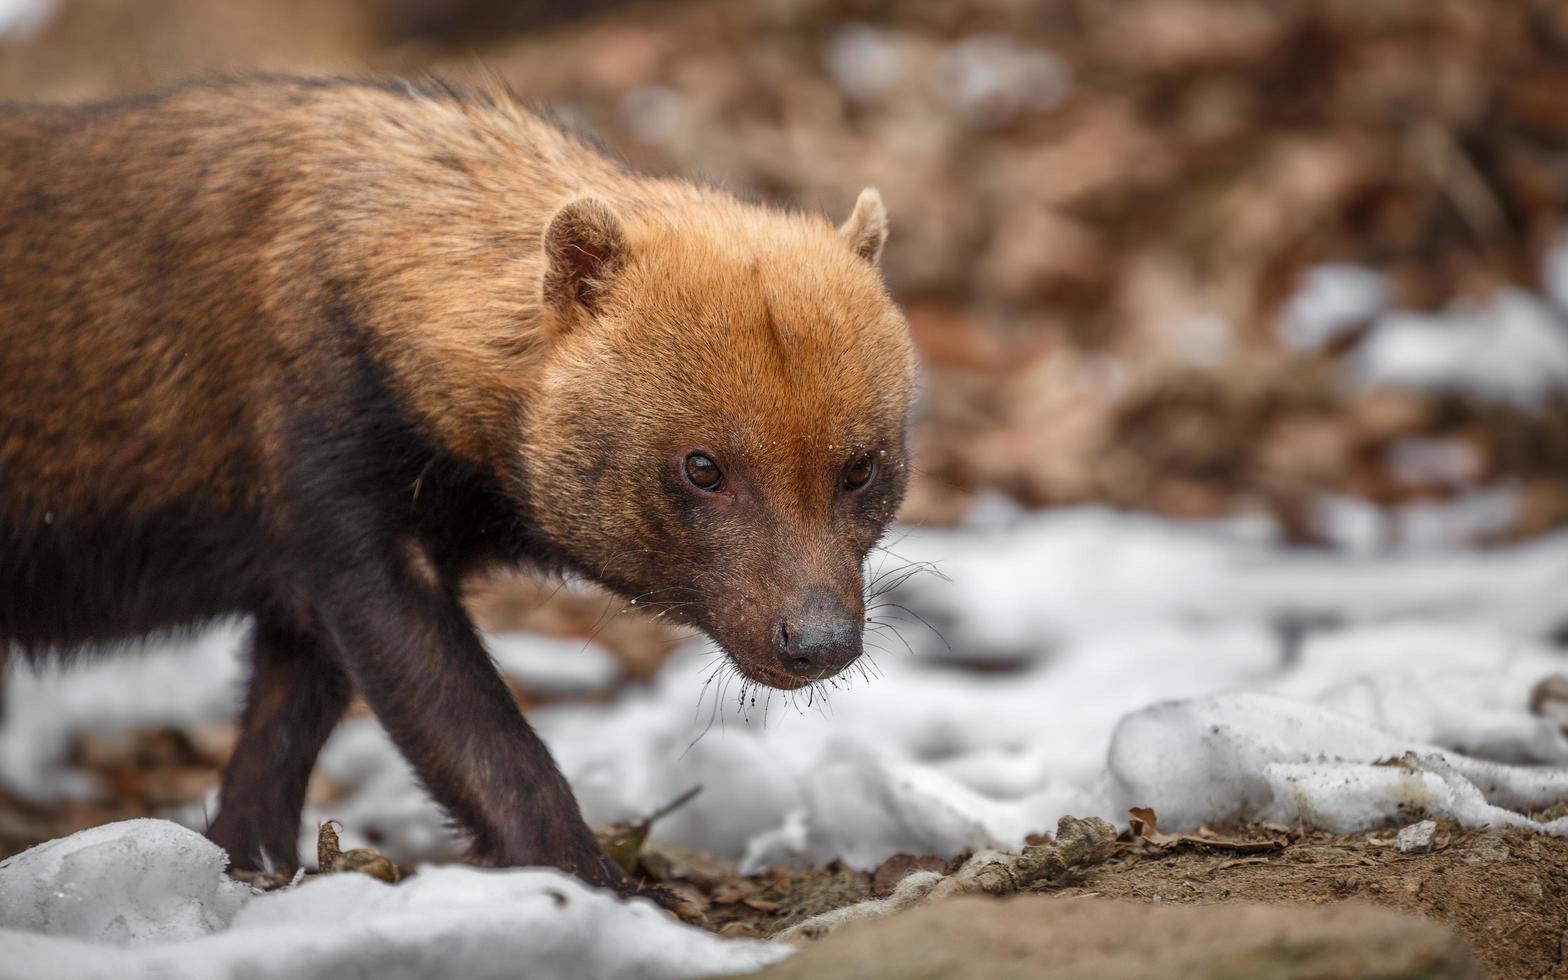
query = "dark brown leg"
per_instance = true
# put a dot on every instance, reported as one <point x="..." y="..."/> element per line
<point x="415" y="657"/>
<point x="297" y="694"/>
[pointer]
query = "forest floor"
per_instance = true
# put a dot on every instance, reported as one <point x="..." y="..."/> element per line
<point x="1504" y="892"/>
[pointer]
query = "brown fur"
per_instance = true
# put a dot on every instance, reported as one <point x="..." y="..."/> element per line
<point x="316" y="351"/>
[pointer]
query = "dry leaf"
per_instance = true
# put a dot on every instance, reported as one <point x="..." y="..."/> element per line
<point x="762" y="905"/>
<point x="623" y="842"/>
<point x="1146" y="829"/>
<point x="331" y="858"/>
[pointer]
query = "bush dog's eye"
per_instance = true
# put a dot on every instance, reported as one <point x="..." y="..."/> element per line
<point x="860" y="472"/>
<point x="703" y="472"/>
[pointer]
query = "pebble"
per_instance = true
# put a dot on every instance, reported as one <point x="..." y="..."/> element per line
<point x="1416" y="838"/>
<point x="1487" y="849"/>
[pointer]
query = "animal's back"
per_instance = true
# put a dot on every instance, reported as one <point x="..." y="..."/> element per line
<point x="129" y="307"/>
<point x="189" y="281"/>
<point x="126" y="420"/>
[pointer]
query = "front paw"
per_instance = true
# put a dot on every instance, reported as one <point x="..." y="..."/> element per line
<point x="589" y="863"/>
<point x="667" y="899"/>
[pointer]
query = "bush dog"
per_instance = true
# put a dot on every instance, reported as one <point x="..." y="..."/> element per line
<point x="313" y="352"/>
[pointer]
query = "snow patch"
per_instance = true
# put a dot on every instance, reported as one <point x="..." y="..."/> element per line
<point x="1254" y="755"/>
<point x="163" y="888"/>
<point x="1020" y="591"/>
<point x="159" y="682"/>
<point x="128" y="883"/>
<point x="1331" y="300"/>
<point x="1513" y="349"/>
<point x="1464" y="520"/>
<point x="554" y="665"/>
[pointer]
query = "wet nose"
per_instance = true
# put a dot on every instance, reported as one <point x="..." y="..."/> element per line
<point x="819" y="640"/>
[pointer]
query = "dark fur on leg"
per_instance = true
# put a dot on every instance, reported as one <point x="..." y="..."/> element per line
<point x="297" y="694"/>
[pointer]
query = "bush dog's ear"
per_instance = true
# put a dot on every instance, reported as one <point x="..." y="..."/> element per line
<point x="583" y="248"/>
<point x="866" y="229"/>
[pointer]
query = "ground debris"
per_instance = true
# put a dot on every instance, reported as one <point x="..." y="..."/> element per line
<point x="1525" y="900"/>
<point x="330" y="857"/>
<point x="1144" y="830"/>
<point x="624" y="842"/>
<point x="1078" y="843"/>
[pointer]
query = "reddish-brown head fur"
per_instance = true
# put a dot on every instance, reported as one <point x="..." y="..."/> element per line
<point x="762" y="341"/>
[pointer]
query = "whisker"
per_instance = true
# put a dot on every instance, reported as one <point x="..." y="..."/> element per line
<point x="722" y="667"/>
<point x="882" y="624"/>
<point x="904" y="573"/>
<point x="702" y="692"/>
<point x="919" y="618"/>
<point x="898" y="577"/>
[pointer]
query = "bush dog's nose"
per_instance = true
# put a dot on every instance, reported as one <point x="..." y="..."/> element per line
<point x="820" y="639"/>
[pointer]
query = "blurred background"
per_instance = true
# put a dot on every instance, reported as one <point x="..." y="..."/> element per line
<point x="1299" y="264"/>
<point x="1190" y="257"/>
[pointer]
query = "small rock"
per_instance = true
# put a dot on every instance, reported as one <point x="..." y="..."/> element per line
<point x="1041" y="861"/>
<point x="1487" y="849"/>
<point x="1078" y="842"/>
<point x="1416" y="838"/>
<point x="1549" y="698"/>
<point x="1085" y="841"/>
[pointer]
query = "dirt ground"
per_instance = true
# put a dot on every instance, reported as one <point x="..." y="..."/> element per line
<point x="1504" y="892"/>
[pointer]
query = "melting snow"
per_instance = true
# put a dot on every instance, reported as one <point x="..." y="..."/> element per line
<point x="1513" y="349"/>
<point x="1201" y="670"/>
<point x="150" y="899"/>
<point x="1331" y="300"/>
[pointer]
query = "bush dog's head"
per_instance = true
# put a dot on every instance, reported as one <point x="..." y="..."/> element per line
<point x="720" y="431"/>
